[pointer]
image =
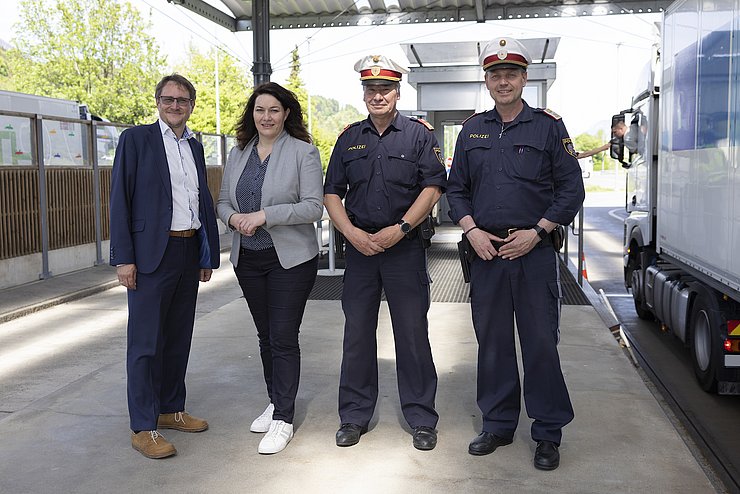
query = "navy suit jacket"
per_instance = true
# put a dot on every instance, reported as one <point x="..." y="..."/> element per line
<point x="141" y="202"/>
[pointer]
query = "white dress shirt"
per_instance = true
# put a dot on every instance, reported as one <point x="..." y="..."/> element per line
<point x="183" y="178"/>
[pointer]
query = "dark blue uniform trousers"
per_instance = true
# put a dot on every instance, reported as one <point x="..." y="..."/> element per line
<point x="527" y="288"/>
<point x="160" y="329"/>
<point x="277" y="299"/>
<point x="402" y="272"/>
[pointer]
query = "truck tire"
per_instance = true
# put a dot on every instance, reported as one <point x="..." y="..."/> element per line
<point x="703" y="344"/>
<point x="636" y="287"/>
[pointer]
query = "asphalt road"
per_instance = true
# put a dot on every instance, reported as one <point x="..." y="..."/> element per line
<point x="711" y="420"/>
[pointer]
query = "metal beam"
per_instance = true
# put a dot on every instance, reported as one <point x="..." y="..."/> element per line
<point x="480" y="13"/>
<point x="211" y="13"/>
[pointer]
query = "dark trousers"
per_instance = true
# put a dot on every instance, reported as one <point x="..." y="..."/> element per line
<point x="160" y="329"/>
<point x="402" y="272"/>
<point x="277" y="299"/>
<point x="527" y="288"/>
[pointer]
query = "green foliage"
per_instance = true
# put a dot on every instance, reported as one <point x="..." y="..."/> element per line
<point x="235" y="86"/>
<point x="295" y="83"/>
<point x="328" y="118"/>
<point x="584" y="142"/>
<point x="93" y="51"/>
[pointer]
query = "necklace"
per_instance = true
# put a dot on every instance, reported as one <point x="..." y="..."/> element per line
<point x="502" y="131"/>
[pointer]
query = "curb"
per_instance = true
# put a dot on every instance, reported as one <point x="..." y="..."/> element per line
<point x="68" y="297"/>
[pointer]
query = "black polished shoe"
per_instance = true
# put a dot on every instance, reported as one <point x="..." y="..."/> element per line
<point x="546" y="457"/>
<point x="486" y="443"/>
<point x="349" y="434"/>
<point x="425" y="438"/>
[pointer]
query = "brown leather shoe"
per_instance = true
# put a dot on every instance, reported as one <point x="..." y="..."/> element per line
<point x="152" y="444"/>
<point x="181" y="421"/>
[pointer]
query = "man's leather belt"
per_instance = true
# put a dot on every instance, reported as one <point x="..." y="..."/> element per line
<point x="182" y="233"/>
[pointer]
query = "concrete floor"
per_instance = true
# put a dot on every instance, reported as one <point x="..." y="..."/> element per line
<point x="64" y="423"/>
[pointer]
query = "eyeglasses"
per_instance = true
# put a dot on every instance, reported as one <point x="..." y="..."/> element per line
<point x="169" y="101"/>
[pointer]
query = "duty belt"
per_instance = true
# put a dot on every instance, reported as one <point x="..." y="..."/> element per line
<point x="411" y="234"/>
<point x="508" y="231"/>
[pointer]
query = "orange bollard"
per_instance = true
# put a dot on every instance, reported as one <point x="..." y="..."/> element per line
<point x="584" y="273"/>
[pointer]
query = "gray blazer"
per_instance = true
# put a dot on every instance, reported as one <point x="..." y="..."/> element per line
<point x="292" y="197"/>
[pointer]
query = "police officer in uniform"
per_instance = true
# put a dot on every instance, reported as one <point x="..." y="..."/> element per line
<point x="514" y="178"/>
<point x="388" y="170"/>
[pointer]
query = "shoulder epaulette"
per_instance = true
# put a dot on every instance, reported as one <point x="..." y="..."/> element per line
<point x="422" y="121"/>
<point x="348" y="126"/>
<point x="549" y="113"/>
<point x="471" y="116"/>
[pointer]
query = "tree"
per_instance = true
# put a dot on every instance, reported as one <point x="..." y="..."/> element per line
<point x="235" y="86"/>
<point x="584" y="142"/>
<point x="93" y="51"/>
<point x="295" y="83"/>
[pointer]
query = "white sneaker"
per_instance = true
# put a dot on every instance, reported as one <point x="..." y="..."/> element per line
<point x="277" y="438"/>
<point x="262" y="423"/>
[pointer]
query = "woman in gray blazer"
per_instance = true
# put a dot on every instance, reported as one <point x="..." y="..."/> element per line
<point x="271" y="195"/>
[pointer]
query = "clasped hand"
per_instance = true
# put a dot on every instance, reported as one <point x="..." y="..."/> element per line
<point x="375" y="243"/>
<point x="515" y="245"/>
<point x="247" y="223"/>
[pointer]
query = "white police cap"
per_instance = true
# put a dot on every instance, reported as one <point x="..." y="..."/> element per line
<point x="504" y="53"/>
<point x="378" y="69"/>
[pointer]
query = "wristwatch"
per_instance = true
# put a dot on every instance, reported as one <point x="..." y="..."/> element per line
<point x="405" y="227"/>
<point x="541" y="232"/>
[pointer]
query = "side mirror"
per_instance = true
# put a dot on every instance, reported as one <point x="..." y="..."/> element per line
<point x="619" y="129"/>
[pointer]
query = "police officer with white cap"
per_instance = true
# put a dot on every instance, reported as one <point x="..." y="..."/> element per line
<point x="388" y="170"/>
<point x="514" y="178"/>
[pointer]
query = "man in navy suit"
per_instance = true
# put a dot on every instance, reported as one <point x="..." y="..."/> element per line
<point x="164" y="240"/>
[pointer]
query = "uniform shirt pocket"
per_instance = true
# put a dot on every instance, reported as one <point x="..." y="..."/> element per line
<point x="356" y="166"/>
<point x="529" y="158"/>
<point x="401" y="168"/>
<point x="479" y="156"/>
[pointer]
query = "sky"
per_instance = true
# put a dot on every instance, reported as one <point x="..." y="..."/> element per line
<point x="599" y="58"/>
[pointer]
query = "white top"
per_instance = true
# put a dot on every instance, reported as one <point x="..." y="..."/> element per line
<point x="183" y="178"/>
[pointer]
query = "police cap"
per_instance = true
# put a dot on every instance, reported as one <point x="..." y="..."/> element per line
<point x="504" y="53"/>
<point x="379" y="70"/>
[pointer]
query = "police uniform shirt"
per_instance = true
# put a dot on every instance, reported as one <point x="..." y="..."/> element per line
<point x="513" y="174"/>
<point x="381" y="176"/>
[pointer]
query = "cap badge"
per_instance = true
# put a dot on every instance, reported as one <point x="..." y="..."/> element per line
<point x="375" y="70"/>
<point x="502" y="54"/>
<point x="376" y="58"/>
<point x="502" y="42"/>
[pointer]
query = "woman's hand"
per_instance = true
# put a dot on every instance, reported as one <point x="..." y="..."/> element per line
<point x="247" y="223"/>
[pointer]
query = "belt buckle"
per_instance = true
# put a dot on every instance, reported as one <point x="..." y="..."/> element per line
<point x="510" y="231"/>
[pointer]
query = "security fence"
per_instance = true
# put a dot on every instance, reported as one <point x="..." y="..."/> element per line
<point x="55" y="187"/>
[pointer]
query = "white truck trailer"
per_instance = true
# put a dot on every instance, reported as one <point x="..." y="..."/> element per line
<point x="682" y="236"/>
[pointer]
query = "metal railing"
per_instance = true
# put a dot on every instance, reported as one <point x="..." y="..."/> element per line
<point x="55" y="183"/>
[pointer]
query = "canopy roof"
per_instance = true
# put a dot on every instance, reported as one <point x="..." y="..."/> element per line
<point x="293" y="14"/>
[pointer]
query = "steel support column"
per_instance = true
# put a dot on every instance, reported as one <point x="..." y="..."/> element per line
<point x="261" y="25"/>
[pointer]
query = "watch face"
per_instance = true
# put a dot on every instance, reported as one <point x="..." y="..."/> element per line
<point x="405" y="227"/>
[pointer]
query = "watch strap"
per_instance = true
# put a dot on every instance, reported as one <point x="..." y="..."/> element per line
<point x="541" y="232"/>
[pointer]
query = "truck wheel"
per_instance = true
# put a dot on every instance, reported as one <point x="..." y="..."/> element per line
<point x="703" y="347"/>
<point x="636" y="289"/>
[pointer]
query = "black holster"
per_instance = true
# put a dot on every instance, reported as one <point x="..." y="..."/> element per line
<point x="426" y="232"/>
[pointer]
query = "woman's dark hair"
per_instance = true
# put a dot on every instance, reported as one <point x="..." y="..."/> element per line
<point x="245" y="128"/>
